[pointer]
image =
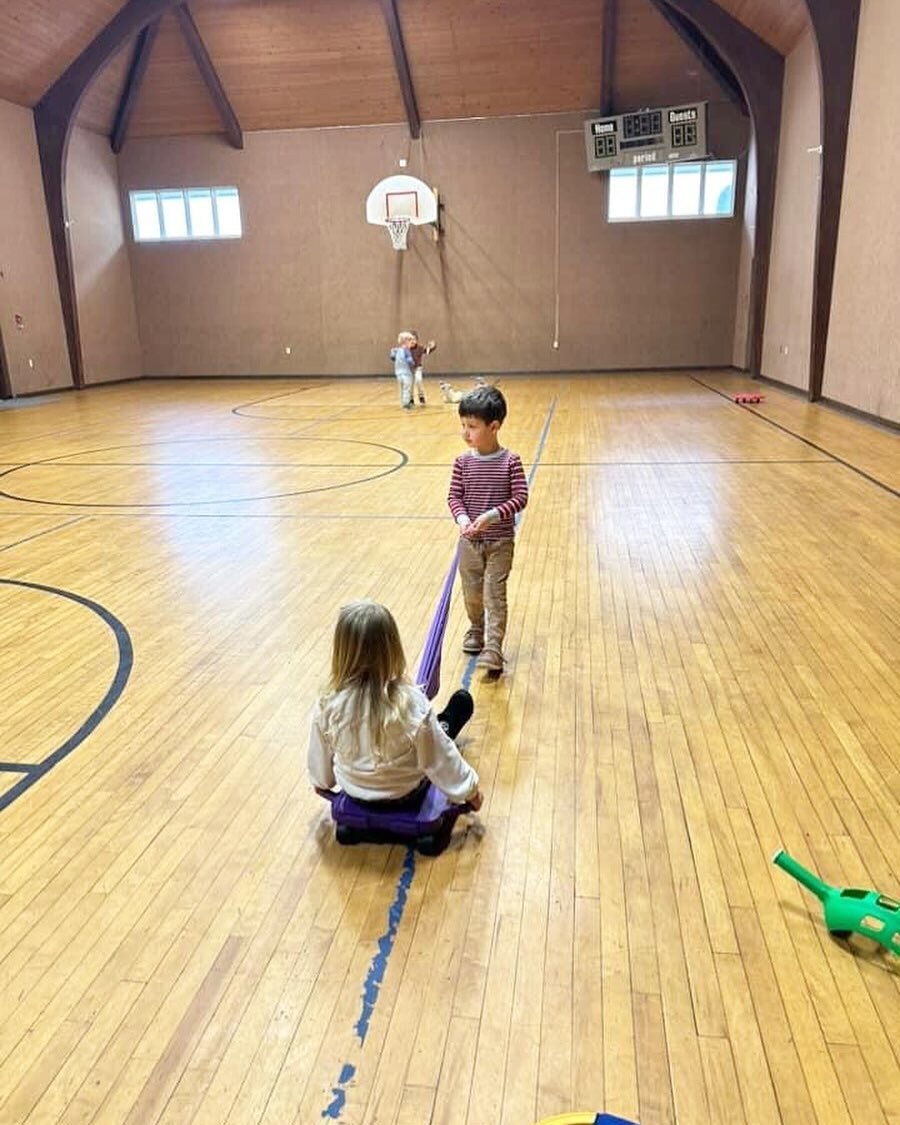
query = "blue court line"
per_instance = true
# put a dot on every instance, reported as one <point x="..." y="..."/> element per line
<point x="374" y="979"/>
<point x="520" y="516"/>
<point x="378" y="968"/>
<point x="16" y="767"/>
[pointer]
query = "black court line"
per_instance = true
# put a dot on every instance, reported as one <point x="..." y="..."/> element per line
<point x="799" y="437"/>
<point x="60" y="461"/>
<point x="649" y="464"/>
<point x="242" y="409"/>
<point x="113" y="692"/>
<point x="241" y="406"/>
<point x="224" y="464"/>
<point x="225" y="516"/>
<point x="38" y="534"/>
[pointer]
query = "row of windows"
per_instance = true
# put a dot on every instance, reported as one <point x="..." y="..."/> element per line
<point x="704" y="190"/>
<point x="656" y="191"/>
<point x="180" y="213"/>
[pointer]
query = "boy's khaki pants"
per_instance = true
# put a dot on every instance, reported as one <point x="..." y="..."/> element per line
<point x="484" y="567"/>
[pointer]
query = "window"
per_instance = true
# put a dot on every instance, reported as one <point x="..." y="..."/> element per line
<point x="702" y="190"/>
<point x="182" y="213"/>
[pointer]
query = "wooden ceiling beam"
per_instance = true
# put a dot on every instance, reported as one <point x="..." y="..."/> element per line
<point x="610" y="42"/>
<point x="5" y="381"/>
<point x="401" y="62"/>
<point x="54" y="116"/>
<point x="210" y="76"/>
<point x="145" y="40"/>
<point x="759" y="69"/>
<point x="836" y="27"/>
<point x="713" y="62"/>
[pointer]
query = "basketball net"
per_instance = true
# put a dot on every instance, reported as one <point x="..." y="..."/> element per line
<point x="398" y="230"/>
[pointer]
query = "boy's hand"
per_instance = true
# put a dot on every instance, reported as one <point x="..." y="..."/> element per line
<point x="477" y="801"/>
<point x="471" y="530"/>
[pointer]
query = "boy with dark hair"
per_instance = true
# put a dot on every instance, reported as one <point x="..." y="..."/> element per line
<point x="487" y="490"/>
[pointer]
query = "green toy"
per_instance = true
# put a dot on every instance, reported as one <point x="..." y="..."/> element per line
<point x="847" y="909"/>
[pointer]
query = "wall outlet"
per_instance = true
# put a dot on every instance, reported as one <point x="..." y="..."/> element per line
<point x="31" y="362"/>
<point x="784" y="349"/>
<point x="287" y="350"/>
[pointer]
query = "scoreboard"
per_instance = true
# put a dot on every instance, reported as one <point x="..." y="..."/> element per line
<point x="651" y="136"/>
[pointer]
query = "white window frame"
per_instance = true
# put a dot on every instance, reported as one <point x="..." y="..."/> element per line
<point x="669" y="217"/>
<point x="190" y="236"/>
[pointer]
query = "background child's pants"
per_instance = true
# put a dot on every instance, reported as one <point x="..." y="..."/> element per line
<point x="406" y="386"/>
<point x="484" y="567"/>
<point x="419" y="382"/>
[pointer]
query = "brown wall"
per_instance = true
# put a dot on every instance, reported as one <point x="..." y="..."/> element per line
<point x="786" y="345"/>
<point x="106" y="312"/>
<point x="311" y="274"/>
<point x="27" y="274"/>
<point x="862" y="367"/>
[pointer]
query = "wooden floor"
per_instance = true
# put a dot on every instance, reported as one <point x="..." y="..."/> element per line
<point x="703" y="647"/>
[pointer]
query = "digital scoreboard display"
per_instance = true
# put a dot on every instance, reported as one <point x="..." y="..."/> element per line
<point x="650" y="136"/>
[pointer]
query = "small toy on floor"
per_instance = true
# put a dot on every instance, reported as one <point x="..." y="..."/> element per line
<point x="747" y="399"/>
<point x="848" y="909"/>
<point x="449" y="393"/>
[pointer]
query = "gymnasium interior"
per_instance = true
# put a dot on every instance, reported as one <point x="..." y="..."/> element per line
<point x="667" y="231"/>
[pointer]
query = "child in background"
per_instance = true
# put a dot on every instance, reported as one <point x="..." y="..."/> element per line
<point x="487" y="489"/>
<point x="376" y="735"/>
<point x="418" y="355"/>
<point x="403" y="367"/>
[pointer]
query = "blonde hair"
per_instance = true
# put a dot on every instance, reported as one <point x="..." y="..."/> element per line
<point x="368" y="662"/>
<point x="404" y="336"/>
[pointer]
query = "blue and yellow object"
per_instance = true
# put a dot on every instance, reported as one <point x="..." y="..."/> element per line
<point x="586" y="1119"/>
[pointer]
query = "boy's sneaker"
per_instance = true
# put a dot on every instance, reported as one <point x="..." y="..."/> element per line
<point x="491" y="660"/>
<point x="408" y="405"/>
<point x="473" y="641"/>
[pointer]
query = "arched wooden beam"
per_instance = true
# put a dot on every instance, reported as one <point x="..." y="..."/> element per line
<point x="760" y="71"/>
<point x="836" y="26"/>
<point x="712" y="61"/>
<point x="54" y="116"/>
<point x="610" y="43"/>
<point x="210" y="76"/>
<point x="401" y="62"/>
<point x="5" y="381"/>
<point x="136" y="72"/>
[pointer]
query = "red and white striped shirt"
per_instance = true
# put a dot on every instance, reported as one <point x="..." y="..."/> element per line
<point x="492" y="482"/>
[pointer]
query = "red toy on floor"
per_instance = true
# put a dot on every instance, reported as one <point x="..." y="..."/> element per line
<point x="745" y="399"/>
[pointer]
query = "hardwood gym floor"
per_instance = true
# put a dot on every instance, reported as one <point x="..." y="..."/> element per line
<point x="703" y="667"/>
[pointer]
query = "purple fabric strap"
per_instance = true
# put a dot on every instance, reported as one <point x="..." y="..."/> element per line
<point x="429" y="675"/>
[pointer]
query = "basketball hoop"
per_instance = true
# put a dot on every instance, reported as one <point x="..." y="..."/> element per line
<point x="398" y="229"/>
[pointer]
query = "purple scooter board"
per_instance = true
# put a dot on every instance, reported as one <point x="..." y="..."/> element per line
<point x="428" y="825"/>
<point x="428" y="828"/>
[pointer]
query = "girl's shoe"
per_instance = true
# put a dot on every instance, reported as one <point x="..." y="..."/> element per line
<point x="457" y="713"/>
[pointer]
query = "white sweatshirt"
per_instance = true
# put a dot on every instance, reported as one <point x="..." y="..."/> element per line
<point x="341" y="752"/>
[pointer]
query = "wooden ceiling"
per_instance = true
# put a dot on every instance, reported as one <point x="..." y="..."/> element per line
<point x="287" y="64"/>
<point x="779" y="22"/>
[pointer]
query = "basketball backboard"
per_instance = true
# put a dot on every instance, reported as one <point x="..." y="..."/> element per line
<point x="402" y="197"/>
